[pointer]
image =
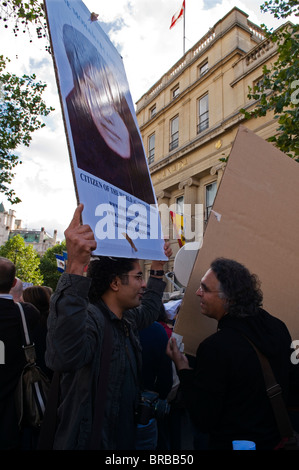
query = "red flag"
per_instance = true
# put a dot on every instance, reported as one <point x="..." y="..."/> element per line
<point x="177" y="15"/>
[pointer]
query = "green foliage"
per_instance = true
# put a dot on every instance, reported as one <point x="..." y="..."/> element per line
<point x="21" y="107"/>
<point x="48" y="265"/>
<point x="281" y="9"/>
<point x="23" y="15"/>
<point x="21" y="103"/>
<point x="279" y="89"/>
<point x="25" y="258"/>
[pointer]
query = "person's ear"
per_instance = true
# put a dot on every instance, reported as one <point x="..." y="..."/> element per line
<point x="14" y="282"/>
<point x="114" y="284"/>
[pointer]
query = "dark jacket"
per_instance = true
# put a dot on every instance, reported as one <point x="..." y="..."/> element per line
<point x="74" y="342"/>
<point x="225" y="393"/>
<point x="156" y="365"/>
<point x="10" y="371"/>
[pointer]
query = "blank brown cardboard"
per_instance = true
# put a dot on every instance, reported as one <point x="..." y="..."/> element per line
<point x="254" y="221"/>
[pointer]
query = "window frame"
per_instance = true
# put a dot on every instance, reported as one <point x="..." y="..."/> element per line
<point x="153" y="111"/>
<point x="203" y="124"/>
<point x="175" y="92"/>
<point x="203" y="68"/>
<point x="174" y="136"/>
<point x="209" y="207"/>
<point x="151" y="150"/>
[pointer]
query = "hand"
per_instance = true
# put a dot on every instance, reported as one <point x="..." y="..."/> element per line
<point x="159" y="265"/>
<point x="179" y="359"/>
<point x="80" y="242"/>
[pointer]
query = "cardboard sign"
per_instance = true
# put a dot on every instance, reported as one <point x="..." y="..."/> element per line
<point x="255" y="222"/>
<point x="108" y="161"/>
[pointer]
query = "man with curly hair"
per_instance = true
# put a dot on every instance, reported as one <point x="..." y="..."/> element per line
<point x="225" y="393"/>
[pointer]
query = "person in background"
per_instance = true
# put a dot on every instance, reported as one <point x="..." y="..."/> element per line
<point x="17" y="291"/>
<point x="156" y="377"/>
<point x="225" y="392"/>
<point x="14" y="358"/>
<point x="39" y="296"/>
<point x="163" y="320"/>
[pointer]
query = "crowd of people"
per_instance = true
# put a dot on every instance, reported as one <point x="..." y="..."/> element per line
<point x="123" y="382"/>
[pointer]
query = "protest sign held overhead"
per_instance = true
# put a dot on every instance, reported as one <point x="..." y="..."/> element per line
<point x="107" y="157"/>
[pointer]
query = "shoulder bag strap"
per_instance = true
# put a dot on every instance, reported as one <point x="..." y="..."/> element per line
<point x="29" y="349"/>
<point x="25" y="329"/>
<point x="275" y="395"/>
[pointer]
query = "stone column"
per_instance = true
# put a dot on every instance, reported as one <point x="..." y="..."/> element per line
<point x="190" y="200"/>
<point x="219" y="169"/>
<point x="163" y="204"/>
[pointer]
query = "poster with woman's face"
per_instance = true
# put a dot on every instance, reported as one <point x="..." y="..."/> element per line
<point x="107" y="157"/>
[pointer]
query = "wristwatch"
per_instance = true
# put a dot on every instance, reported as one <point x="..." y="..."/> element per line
<point x="156" y="273"/>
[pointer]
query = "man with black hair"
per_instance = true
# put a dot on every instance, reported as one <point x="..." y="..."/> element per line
<point x="113" y="288"/>
<point x="14" y="357"/>
<point x="225" y="393"/>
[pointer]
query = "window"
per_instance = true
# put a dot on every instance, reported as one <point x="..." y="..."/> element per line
<point x="259" y="82"/>
<point x="180" y="205"/>
<point x="203" y="68"/>
<point x="174" y="133"/>
<point x="153" y="111"/>
<point x="151" y="148"/>
<point x="203" y="114"/>
<point x="175" y="92"/>
<point x="211" y="190"/>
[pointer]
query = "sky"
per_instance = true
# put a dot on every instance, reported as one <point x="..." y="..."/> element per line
<point x="139" y="30"/>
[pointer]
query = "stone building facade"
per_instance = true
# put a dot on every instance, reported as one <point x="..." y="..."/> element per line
<point x="10" y="226"/>
<point x="189" y="118"/>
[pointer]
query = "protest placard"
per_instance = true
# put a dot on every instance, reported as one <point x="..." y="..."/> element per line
<point x="108" y="161"/>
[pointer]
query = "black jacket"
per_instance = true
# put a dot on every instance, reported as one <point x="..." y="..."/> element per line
<point x="225" y="393"/>
<point x="74" y="344"/>
<point x="10" y="371"/>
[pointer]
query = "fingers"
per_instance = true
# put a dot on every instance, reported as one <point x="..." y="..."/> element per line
<point x="167" y="249"/>
<point x="76" y="220"/>
<point x="171" y="348"/>
<point x="80" y="242"/>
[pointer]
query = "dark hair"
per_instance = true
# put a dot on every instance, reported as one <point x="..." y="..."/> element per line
<point x="239" y="287"/>
<point x="103" y="270"/>
<point x="38" y="296"/>
<point x="7" y="274"/>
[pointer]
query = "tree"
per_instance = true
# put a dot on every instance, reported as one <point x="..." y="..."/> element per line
<point x="25" y="258"/>
<point x="24" y="14"/>
<point x="279" y="89"/>
<point x="48" y="265"/>
<point x="21" y="104"/>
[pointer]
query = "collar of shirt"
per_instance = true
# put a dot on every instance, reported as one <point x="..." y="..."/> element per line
<point x="6" y="296"/>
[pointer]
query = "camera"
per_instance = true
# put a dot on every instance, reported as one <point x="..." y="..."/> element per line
<point x="151" y="406"/>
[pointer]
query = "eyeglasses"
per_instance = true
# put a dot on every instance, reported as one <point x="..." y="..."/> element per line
<point x="138" y="276"/>
<point x="205" y="290"/>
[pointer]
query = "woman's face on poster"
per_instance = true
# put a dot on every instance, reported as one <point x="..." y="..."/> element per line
<point x="101" y="97"/>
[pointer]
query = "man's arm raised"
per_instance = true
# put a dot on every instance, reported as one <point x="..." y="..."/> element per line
<point x="158" y="266"/>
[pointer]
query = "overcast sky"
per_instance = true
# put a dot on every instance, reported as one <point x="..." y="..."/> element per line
<point x="139" y="29"/>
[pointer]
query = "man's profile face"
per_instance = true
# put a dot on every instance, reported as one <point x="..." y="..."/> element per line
<point x="211" y="304"/>
<point x="131" y="288"/>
